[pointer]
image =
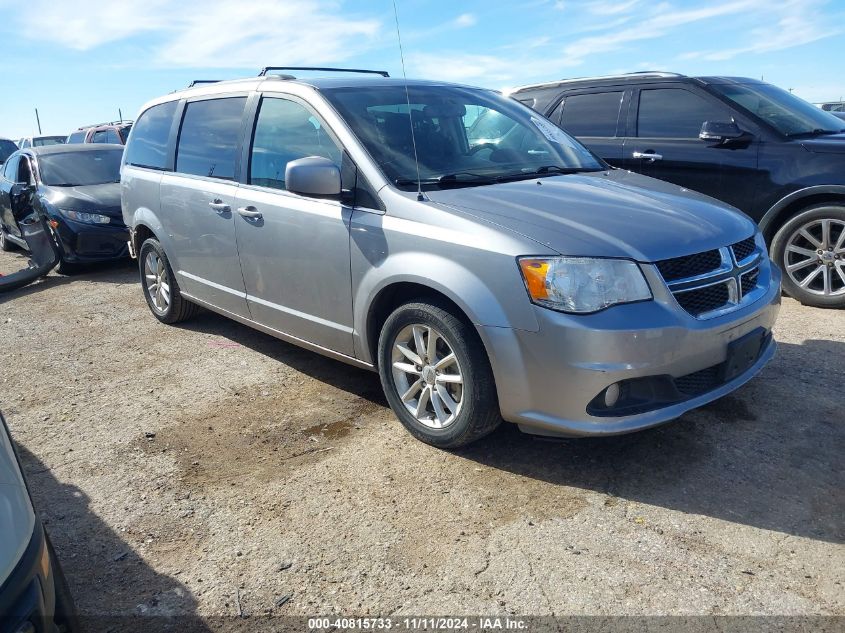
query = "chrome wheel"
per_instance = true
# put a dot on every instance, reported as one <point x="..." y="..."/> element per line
<point x="427" y="376"/>
<point x="815" y="257"/>
<point x="158" y="284"/>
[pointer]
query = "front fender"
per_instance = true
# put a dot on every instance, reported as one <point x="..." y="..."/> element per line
<point x="771" y="218"/>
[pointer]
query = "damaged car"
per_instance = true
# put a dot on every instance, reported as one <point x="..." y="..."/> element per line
<point x="75" y="189"/>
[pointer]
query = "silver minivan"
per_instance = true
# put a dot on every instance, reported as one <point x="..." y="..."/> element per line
<point x="505" y="275"/>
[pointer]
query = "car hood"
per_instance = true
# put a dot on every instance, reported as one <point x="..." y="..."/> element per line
<point x="103" y="199"/>
<point x="17" y="518"/>
<point x="604" y="214"/>
<point x="827" y="144"/>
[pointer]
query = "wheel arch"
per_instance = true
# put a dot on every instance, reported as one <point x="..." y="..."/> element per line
<point x="792" y="204"/>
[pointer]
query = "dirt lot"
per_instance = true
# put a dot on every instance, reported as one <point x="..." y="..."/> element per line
<point x="209" y="469"/>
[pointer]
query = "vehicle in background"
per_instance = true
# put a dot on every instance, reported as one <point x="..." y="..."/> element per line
<point x="34" y="595"/>
<point x="40" y="141"/>
<point x="7" y="148"/>
<point x="78" y="188"/>
<point x="522" y="280"/>
<point x="114" y="133"/>
<point x="832" y="106"/>
<point x="755" y="146"/>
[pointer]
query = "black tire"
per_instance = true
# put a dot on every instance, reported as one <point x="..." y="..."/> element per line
<point x="6" y="245"/>
<point x="781" y="257"/>
<point x="479" y="406"/>
<point x="178" y="308"/>
<point x="67" y="268"/>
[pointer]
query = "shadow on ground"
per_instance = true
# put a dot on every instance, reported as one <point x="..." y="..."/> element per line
<point x="767" y="456"/>
<point x="114" y="589"/>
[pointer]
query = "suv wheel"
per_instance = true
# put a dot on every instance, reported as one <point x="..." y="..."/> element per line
<point x="810" y="250"/>
<point x="436" y="375"/>
<point x="160" y="287"/>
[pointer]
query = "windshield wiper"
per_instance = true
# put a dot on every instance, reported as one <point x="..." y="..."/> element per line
<point x="446" y="180"/>
<point x="557" y="169"/>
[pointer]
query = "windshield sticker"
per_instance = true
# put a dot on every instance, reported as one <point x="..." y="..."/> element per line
<point x="551" y="132"/>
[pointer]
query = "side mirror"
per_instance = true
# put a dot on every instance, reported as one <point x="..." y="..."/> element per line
<point x="719" y="131"/>
<point x="313" y="176"/>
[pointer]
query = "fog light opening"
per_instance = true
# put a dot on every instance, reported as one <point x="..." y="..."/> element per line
<point x="611" y="395"/>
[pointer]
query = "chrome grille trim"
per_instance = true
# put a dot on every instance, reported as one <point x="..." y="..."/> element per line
<point x="741" y="279"/>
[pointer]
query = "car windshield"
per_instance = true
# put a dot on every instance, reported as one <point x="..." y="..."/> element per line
<point x="514" y="142"/>
<point x="7" y="148"/>
<point x="43" y="141"/>
<point x="788" y="114"/>
<point x="73" y="169"/>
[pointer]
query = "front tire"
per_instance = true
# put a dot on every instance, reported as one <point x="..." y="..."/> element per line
<point x="161" y="290"/>
<point x="436" y="375"/>
<point x="810" y="250"/>
<point x="6" y="244"/>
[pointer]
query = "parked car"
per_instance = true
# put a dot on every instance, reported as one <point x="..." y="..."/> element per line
<point x="78" y="188"/>
<point x="7" y="148"/>
<point x="34" y="595"/>
<point x="524" y="281"/>
<point x="832" y="106"/>
<point x="40" y="141"/>
<point x="114" y="133"/>
<point x="761" y="149"/>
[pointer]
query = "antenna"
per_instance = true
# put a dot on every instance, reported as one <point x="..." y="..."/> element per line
<point x="420" y="195"/>
<point x="38" y="119"/>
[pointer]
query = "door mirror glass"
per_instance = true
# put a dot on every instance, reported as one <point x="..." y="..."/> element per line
<point x="313" y="176"/>
<point x="719" y="131"/>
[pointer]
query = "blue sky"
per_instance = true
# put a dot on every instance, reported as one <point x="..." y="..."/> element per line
<point x="80" y="61"/>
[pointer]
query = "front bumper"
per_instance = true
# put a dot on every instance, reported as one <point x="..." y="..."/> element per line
<point x="84" y="243"/>
<point x="547" y="380"/>
<point x="28" y="596"/>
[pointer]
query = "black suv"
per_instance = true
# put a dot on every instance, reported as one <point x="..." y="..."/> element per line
<point x="776" y="157"/>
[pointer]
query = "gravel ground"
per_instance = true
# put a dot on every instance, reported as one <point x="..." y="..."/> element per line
<point x="209" y="469"/>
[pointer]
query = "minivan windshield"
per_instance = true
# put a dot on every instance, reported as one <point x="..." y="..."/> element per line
<point x="788" y="114"/>
<point x="76" y="169"/>
<point x="515" y="142"/>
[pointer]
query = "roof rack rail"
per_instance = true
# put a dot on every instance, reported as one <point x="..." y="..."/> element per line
<point x="639" y="74"/>
<point x="267" y="69"/>
<point x="120" y="122"/>
<point x="196" y="82"/>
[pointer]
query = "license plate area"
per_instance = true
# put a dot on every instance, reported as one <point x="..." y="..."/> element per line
<point x="743" y="353"/>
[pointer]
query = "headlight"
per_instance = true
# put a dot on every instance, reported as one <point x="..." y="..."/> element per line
<point x="582" y="284"/>
<point x="85" y="217"/>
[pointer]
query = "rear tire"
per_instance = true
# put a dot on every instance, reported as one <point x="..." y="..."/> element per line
<point x="810" y="250"/>
<point x="436" y="375"/>
<point x="161" y="290"/>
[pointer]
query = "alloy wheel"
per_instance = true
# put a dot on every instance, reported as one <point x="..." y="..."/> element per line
<point x="815" y="257"/>
<point x="427" y="376"/>
<point x="157" y="282"/>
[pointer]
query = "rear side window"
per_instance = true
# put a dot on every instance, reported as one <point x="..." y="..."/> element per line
<point x="208" y="141"/>
<point x="112" y="136"/>
<point x="286" y="131"/>
<point x="149" y="143"/>
<point x="592" y="114"/>
<point x="100" y="137"/>
<point x="77" y="137"/>
<point x="675" y="113"/>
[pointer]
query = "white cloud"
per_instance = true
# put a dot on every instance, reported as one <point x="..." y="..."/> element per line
<point x="465" y="19"/>
<point x="197" y="33"/>
<point x="487" y="70"/>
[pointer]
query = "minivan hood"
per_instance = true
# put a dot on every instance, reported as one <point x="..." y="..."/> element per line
<point x="104" y="198"/>
<point x="604" y="214"/>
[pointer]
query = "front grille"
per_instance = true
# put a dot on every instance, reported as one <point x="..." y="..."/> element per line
<point x="705" y="299"/>
<point x="689" y="265"/>
<point x="744" y="248"/>
<point x="699" y="382"/>
<point x="749" y="281"/>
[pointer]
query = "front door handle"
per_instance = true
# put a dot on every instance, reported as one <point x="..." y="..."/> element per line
<point x="250" y="212"/>
<point x="219" y="206"/>
<point x="648" y="156"/>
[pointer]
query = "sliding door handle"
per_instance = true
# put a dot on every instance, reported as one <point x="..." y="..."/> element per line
<point x="219" y="206"/>
<point x="648" y="156"/>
